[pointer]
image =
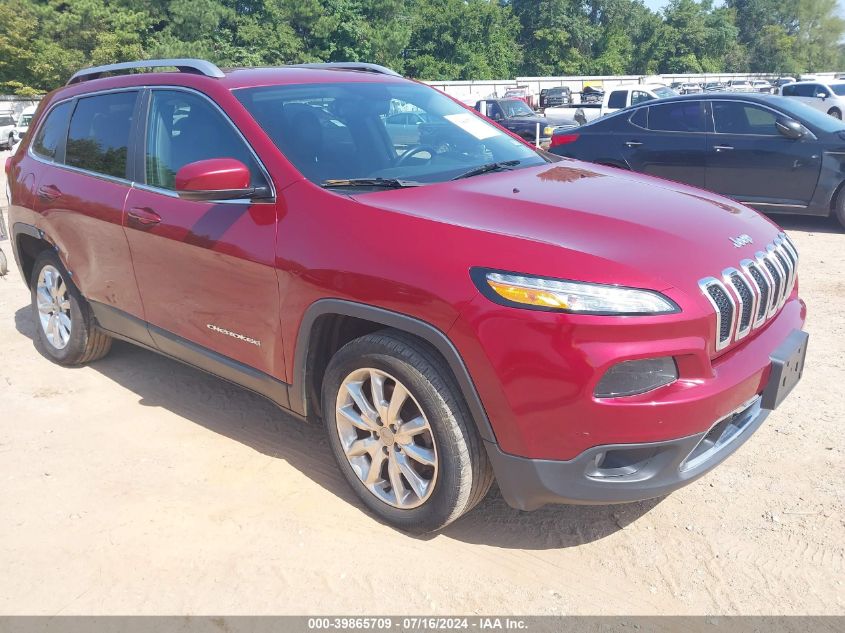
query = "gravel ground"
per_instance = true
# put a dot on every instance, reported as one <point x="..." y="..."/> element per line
<point x="137" y="485"/>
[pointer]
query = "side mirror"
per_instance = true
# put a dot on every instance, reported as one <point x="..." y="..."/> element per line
<point x="215" y="179"/>
<point x="790" y="129"/>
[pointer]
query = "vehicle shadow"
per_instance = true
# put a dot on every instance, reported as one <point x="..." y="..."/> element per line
<point x="808" y="224"/>
<point x="252" y="420"/>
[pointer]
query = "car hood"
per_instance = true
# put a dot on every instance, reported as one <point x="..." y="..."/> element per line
<point x="645" y="231"/>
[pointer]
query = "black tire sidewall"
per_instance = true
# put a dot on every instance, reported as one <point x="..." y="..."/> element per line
<point x="438" y="508"/>
<point x="80" y="324"/>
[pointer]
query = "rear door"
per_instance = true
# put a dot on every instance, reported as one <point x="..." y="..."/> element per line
<point x="748" y="159"/>
<point x="81" y="193"/>
<point x="667" y="140"/>
<point x="206" y="270"/>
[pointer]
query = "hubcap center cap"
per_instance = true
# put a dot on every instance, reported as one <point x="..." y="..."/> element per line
<point x="386" y="436"/>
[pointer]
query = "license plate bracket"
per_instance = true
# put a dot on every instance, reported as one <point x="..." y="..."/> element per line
<point x="787" y="369"/>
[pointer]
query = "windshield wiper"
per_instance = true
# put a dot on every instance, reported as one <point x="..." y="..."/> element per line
<point x="385" y="183"/>
<point x="483" y="169"/>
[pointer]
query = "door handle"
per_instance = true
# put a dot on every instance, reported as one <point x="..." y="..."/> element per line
<point x="723" y="148"/>
<point x="143" y="216"/>
<point x="633" y="143"/>
<point x="49" y="192"/>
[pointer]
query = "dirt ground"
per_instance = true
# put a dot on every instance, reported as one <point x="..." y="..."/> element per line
<point x="137" y="485"/>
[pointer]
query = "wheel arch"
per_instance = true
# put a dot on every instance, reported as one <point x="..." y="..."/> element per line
<point x="328" y="324"/>
<point x="28" y="242"/>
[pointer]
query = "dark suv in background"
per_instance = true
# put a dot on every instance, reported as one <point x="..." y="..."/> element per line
<point x="555" y="97"/>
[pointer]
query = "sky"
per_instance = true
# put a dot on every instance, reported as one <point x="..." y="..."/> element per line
<point x="657" y="5"/>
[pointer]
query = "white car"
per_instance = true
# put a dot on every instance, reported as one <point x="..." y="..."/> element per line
<point x="7" y="130"/>
<point x="761" y="85"/>
<point x="24" y="120"/>
<point x="739" y="85"/>
<point x="827" y="97"/>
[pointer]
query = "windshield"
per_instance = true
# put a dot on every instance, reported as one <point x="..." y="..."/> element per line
<point x="809" y="115"/>
<point x="516" y="108"/>
<point x="838" y="89"/>
<point x="663" y="92"/>
<point x="25" y="119"/>
<point x="350" y="130"/>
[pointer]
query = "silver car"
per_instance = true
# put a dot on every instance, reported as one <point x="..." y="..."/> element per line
<point x="826" y="97"/>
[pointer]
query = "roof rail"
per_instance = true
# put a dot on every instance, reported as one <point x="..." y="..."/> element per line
<point x="364" y="67"/>
<point x="193" y="66"/>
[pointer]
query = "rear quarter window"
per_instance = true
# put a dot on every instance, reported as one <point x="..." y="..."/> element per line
<point x="51" y="132"/>
<point x="617" y="99"/>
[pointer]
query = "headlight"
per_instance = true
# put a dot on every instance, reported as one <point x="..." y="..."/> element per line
<point x="548" y="130"/>
<point x="558" y="295"/>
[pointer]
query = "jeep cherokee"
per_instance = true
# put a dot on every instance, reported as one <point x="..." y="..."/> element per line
<point x="456" y="307"/>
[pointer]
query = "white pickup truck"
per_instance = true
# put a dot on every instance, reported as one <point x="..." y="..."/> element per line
<point x="615" y="99"/>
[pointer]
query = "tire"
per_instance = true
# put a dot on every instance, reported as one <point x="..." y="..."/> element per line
<point x="4" y="265"/>
<point x="447" y="454"/>
<point x="838" y="209"/>
<point x="68" y="333"/>
<point x="11" y="143"/>
<point x="835" y="113"/>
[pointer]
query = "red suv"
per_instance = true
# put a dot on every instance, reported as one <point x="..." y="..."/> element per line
<point x="455" y="305"/>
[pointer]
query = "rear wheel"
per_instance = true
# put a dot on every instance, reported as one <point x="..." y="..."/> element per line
<point x="835" y="113"/>
<point x="401" y="433"/>
<point x="65" y="326"/>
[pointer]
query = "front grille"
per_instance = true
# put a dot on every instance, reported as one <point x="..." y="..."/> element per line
<point x="745" y="298"/>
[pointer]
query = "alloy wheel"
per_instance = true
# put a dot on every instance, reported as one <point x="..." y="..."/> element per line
<point x="386" y="438"/>
<point x="53" y="302"/>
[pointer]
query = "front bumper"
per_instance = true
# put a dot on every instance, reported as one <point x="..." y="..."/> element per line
<point x="622" y="473"/>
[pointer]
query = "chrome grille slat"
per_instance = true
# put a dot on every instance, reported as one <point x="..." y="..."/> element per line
<point x="761" y="290"/>
<point x="723" y="303"/>
<point x="745" y="298"/>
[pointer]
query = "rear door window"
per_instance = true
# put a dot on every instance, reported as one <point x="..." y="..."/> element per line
<point x="51" y="132"/>
<point x="98" y="138"/>
<point x="682" y="116"/>
<point x="805" y="90"/>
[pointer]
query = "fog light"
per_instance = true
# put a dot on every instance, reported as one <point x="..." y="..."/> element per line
<point x="631" y="377"/>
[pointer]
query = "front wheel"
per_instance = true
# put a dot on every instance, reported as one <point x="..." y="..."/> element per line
<point x="401" y="433"/>
<point x="835" y="113"/>
<point x="65" y="326"/>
